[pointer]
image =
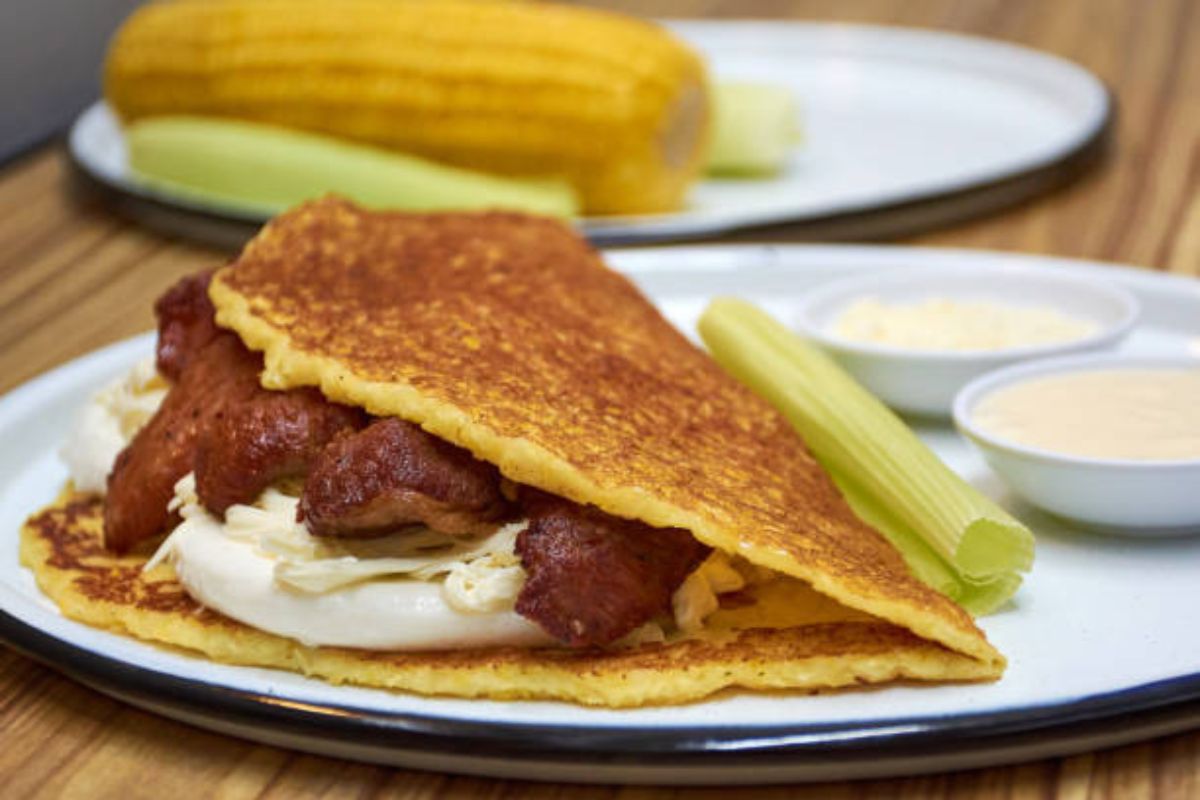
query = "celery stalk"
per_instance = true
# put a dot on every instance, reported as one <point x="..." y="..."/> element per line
<point x="927" y="565"/>
<point x="755" y="128"/>
<point x="953" y="537"/>
<point x="264" y="169"/>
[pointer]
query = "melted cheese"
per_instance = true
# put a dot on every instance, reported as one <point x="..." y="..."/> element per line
<point x="697" y="597"/>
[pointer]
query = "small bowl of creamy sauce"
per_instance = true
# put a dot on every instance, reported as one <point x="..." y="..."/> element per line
<point x="1112" y="441"/>
<point x="915" y="337"/>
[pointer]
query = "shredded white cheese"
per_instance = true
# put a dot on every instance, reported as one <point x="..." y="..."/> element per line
<point x="109" y="422"/>
<point x="483" y="575"/>
<point x="486" y="584"/>
<point x="942" y="323"/>
<point x="234" y="567"/>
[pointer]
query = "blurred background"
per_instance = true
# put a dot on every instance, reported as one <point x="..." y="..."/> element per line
<point x="50" y="53"/>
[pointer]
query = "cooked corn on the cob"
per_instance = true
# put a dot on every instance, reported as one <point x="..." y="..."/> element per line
<point x="616" y="106"/>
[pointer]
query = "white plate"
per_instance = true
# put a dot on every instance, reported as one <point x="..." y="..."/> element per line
<point x="890" y="115"/>
<point x="1101" y="647"/>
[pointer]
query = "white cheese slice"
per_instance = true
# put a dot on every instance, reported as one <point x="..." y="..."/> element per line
<point x="234" y="577"/>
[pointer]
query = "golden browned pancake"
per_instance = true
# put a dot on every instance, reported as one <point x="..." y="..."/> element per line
<point x="820" y="646"/>
<point x="507" y="335"/>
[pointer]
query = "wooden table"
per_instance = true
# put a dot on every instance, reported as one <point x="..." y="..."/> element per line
<point x="73" y="277"/>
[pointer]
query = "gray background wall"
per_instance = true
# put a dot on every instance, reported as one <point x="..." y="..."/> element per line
<point x="50" y="55"/>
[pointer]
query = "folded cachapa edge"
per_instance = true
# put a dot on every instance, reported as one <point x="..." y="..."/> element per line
<point x="507" y="335"/>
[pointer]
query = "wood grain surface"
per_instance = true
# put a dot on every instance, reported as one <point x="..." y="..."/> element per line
<point x="73" y="277"/>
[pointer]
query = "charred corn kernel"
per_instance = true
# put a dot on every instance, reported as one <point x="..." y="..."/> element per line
<point x="615" y="105"/>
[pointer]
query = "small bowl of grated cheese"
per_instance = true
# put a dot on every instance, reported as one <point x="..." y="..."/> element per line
<point x="915" y="337"/>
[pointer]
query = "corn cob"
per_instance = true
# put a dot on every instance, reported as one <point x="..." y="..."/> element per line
<point x="616" y="106"/>
<point x="756" y="127"/>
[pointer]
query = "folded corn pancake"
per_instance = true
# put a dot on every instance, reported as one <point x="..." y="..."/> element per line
<point x="507" y="335"/>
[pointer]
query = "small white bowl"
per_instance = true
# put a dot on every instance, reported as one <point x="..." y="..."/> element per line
<point x="1127" y="496"/>
<point x="919" y="381"/>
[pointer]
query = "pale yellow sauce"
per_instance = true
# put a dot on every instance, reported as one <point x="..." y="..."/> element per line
<point x="1150" y="414"/>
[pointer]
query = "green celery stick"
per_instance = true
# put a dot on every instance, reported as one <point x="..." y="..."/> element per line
<point x="952" y="536"/>
<point x="927" y="565"/>
<point x="263" y="169"/>
<point x="755" y="128"/>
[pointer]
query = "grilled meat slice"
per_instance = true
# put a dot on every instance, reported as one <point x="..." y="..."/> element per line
<point x="392" y="474"/>
<point x="186" y="323"/>
<point x="143" y="478"/>
<point x="265" y="437"/>
<point x="593" y="577"/>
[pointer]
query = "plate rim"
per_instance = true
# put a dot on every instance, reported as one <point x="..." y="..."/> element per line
<point x="1173" y="703"/>
<point x="908" y="210"/>
<point x="134" y="679"/>
<point x="652" y="746"/>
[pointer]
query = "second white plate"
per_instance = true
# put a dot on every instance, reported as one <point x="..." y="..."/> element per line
<point x="891" y="116"/>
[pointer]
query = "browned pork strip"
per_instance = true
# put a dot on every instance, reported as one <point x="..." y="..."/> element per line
<point x="185" y="323"/>
<point x="143" y="478"/>
<point x="593" y="577"/>
<point x="392" y="474"/>
<point x="265" y="437"/>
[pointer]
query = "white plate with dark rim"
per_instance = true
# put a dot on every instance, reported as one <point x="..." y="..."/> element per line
<point x="1099" y="651"/>
<point x="894" y="118"/>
